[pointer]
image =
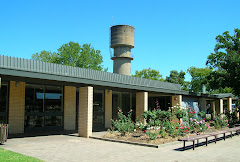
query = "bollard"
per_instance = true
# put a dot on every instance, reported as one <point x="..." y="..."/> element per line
<point x="3" y="133"/>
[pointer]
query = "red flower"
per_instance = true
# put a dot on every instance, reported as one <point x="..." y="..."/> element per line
<point x="181" y="124"/>
<point x="194" y="112"/>
<point x="144" y="131"/>
<point x="183" y="131"/>
<point x="186" y="130"/>
<point x="176" y="127"/>
<point x="190" y="112"/>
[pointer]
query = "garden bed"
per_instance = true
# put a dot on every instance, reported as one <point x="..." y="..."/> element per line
<point x="142" y="139"/>
<point x="138" y="138"/>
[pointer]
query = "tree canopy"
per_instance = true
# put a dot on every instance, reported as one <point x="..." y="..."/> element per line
<point x="149" y="74"/>
<point x="226" y="60"/>
<point x="73" y="54"/>
<point x="199" y="78"/>
<point x="176" y="77"/>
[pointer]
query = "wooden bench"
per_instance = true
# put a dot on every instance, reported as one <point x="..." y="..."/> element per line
<point x="205" y="136"/>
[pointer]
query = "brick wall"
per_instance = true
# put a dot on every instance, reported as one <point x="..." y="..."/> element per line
<point x="85" y="111"/>
<point x="108" y="108"/>
<point x="69" y="108"/>
<point x="16" y="107"/>
<point x="177" y="100"/>
<point x="141" y="103"/>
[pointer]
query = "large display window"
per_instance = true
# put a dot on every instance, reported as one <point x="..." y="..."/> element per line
<point x="124" y="101"/>
<point x="43" y="106"/>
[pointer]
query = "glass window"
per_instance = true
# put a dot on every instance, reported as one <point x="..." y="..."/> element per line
<point x="53" y="99"/>
<point x="43" y="106"/>
<point x="125" y="101"/>
<point x="33" y="121"/>
<point x="3" y="119"/>
<point x="158" y="101"/>
<point x="34" y="98"/>
<point x="3" y="97"/>
<point x="98" y="108"/>
<point x="53" y="120"/>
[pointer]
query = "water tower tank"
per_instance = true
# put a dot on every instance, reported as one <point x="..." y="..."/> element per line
<point x="122" y="41"/>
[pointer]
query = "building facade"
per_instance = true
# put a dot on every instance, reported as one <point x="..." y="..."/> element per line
<point x="39" y="96"/>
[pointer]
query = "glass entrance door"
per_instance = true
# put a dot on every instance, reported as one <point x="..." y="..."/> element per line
<point x="98" y="109"/>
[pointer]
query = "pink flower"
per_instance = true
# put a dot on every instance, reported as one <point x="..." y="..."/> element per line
<point x="183" y="131"/>
<point x="190" y="112"/>
<point x="208" y="126"/>
<point x="228" y="125"/>
<point x="186" y="130"/>
<point x="131" y="110"/>
<point x="119" y="111"/>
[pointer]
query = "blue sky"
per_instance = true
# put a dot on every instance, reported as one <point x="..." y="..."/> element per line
<point x="169" y="35"/>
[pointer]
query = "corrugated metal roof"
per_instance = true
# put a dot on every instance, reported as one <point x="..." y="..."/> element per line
<point x="41" y="70"/>
<point x="28" y="65"/>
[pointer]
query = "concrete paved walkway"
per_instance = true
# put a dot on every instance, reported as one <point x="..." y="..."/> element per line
<point x="73" y="148"/>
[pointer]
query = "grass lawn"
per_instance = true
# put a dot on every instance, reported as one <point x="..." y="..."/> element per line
<point x="6" y="155"/>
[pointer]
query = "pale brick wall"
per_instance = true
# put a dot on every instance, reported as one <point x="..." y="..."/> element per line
<point x="213" y="107"/>
<point x="229" y="104"/>
<point x="69" y="108"/>
<point x="16" y="107"/>
<point x="141" y="103"/>
<point x="85" y="111"/>
<point x="219" y="106"/>
<point x="177" y="100"/>
<point x="108" y="108"/>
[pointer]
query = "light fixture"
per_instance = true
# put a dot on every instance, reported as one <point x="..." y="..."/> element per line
<point x="17" y="84"/>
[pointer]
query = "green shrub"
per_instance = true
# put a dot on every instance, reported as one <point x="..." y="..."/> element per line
<point x="232" y="118"/>
<point x="198" y="125"/>
<point x="171" y="128"/>
<point x="219" y="122"/>
<point x="124" y="123"/>
<point x="163" y="133"/>
<point x="201" y="114"/>
<point x="152" y="135"/>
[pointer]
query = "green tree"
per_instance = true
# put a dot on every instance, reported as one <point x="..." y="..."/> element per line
<point x="199" y="78"/>
<point x="149" y="74"/>
<point x="226" y="60"/>
<point x="178" y="78"/>
<point x="73" y="54"/>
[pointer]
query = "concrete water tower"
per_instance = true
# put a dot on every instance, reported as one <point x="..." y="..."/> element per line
<point x="122" y="41"/>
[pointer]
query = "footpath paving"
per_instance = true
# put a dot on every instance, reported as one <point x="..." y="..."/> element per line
<point x="72" y="148"/>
